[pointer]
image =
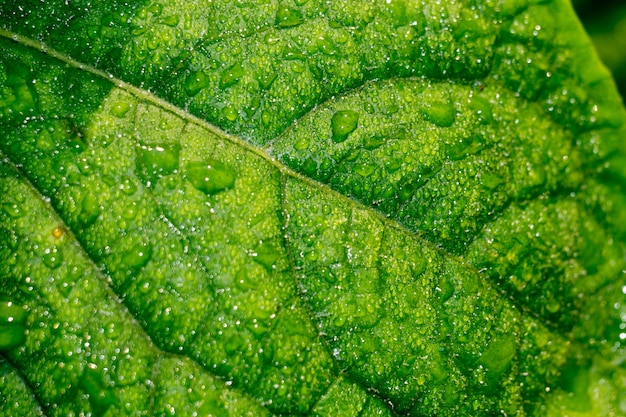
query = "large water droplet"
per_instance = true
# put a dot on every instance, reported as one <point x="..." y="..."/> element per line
<point x="266" y="80"/>
<point x="210" y="177"/>
<point x="156" y="161"/>
<point x="52" y="258"/>
<point x="440" y="113"/>
<point x="288" y="17"/>
<point x="90" y="210"/>
<point x="266" y="254"/>
<point x="343" y="123"/>
<point x="12" y="210"/>
<point x="195" y="82"/>
<point x="231" y="76"/>
<point x="137" y="256"/>
<point x="98" y="391"/>
<point x="120" y="109"/>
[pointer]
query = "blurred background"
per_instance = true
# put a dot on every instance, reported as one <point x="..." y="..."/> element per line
<point x="605" y="22"/>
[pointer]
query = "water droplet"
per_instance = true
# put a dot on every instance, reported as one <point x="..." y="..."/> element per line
<point x="343" y="123"/>
<point x="440" y="113"/>
<point x="210" y="177"/>
<point x="326" y="45"/>
<point x="373" y="142"/>
<point x="12" y="210"/>
<point x="90" y="210"/>
<point x="156" y="161"/>
<point x="120" y="109"/>
<point x="293" y="53"/>
<point x="99" y="393"/>
<point x="230" y="113"/>
<point x="339" y="321"/>
<point x="298" y="67"/>
<point x="365" y="170"/>
<point x="266" y="118"/>
<point x="52" y="258"/>
<point x="137" y="256"/>
<point x="553" y="306"/>
<point x="302" y="143"/>
<point x="266" y="254"/>
<point x="231" y="75"/>
<point x="266" y="80"/>
<point x="170" y="20"/>
<point x="12" y="325"/>
<point x="195" y="82"/>
<point x="288" y="17"/>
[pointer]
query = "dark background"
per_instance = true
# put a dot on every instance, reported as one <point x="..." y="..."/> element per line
<point x="605" y="22"/>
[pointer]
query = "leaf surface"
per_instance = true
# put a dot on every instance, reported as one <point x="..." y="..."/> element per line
<point x="310" y="208"/>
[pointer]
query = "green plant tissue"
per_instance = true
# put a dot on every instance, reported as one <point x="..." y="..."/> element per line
<point x="309" y="208"/>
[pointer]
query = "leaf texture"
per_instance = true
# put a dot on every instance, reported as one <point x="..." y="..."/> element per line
<point x="309" y="208"/>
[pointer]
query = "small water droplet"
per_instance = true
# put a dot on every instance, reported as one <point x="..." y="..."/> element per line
<point x="302" y="143"/>
<point x="373" y="142"/>
<point x="339" y="321"/>
<point x="171" y="21"/>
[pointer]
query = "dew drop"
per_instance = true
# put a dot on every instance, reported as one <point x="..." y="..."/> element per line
<point x="99" y="394"/>
<point x="230" y="113"/>
<point x="137" y="256"/>
<point x="288" y="17"/>
<point x="373" y="142"/>
<point x="302" y="143"/>
<point x="210" y="177"/>
<point x="156" y="161"/>
<point x="12" y="325"/>
<point x="266" y="80"/>
<point x="171" y="21"/>
<point x="365" y="170"/>
<point x="439" y="113"/>
<point x="52" y="258"/>
<point x="120" y="109"/>
<point x="231" y="75"/>
<point x="343" y="123"/>
<point x="195" y="82"/>
<point x="266" y="254"/>
<point x="90" y="210"/>
<point x="12" y="210"/>
<point x="339" y="321"/>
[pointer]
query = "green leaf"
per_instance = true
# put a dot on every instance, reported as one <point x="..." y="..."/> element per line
<point x="309" y="208"/>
